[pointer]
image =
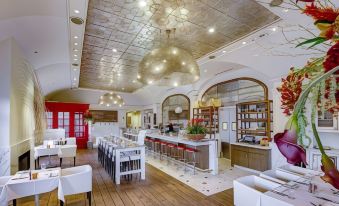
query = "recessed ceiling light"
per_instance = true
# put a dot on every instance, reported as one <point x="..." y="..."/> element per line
<point x="150" y="82"/>
<point x="138" y="76"/>
<point x="211" y="30"/>
<point x="119" y="74"/>
<point x="175" y="84"/>
<point x="285" y="10"/>
<point x="183" y="63"/>
<point x="75" y="44"/>
<point x="224" y="51"/>
<point x="76" y="11"/>
<point x="174" y="51"/>
<point x="244" y="42"/>
<point x="75" y="69"/>
<point x="123" y="88"/>
<point x="142" y="3"/>
<point x="114" y="50"/>
<point x="164" y="60"/>
<point x="75" y="37"/>
<point x="75" y="59"/>
<point x="75" y="55"/>
<point x="75" y="50"/>
<point x="274" y="29"/>
<point x="107" y="105"/>
<point x="75" y="79"/>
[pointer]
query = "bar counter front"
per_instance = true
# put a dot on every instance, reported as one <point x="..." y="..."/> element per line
<point x="205" y="150"/>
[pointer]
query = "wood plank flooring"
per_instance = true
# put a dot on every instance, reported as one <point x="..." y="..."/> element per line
<point x="158" y="189"/>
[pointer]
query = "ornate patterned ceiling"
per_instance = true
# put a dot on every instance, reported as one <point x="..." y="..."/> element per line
<point x="120" y="32"/>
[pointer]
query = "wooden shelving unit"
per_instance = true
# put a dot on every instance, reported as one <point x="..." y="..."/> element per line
<point x="211" y="119"/>
<point x="254" y="119"/>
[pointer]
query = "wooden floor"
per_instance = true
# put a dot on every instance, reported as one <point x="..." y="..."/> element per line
<point x="158" y="189"/>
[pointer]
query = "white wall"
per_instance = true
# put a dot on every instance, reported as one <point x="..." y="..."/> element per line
<point x="102" y="129"/>
<point x="18" y="120"/>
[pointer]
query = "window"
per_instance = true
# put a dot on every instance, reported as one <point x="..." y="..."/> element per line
<point x="79" y="127"/>
<point x="63" y="122"/>
<point x="49" y="120"/>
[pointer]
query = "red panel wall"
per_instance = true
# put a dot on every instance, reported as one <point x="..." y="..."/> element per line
<point x="56" y="107"/>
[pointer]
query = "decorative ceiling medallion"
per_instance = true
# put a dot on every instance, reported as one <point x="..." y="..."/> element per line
<point x="77" y="20"/>
<point x="111" y="99"/>
<point x="168" y="66"/>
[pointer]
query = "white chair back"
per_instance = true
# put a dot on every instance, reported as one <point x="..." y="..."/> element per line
<point x="67" y="151"/>
<point x="141" y="137"/>
<point x="76" y="180"/>
<point x="71" y="141"/>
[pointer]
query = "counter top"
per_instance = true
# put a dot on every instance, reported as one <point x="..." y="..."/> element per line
<point x="251" y="145"/>
<point x="181" y="140"/>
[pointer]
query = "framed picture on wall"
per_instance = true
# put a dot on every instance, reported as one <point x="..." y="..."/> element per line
<point x="224" y="126"/>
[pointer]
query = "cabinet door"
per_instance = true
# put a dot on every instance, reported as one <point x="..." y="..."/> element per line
<point x="257" y="162"/>
<point x="239" y="158"/>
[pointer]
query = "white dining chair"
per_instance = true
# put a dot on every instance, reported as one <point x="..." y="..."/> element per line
<point x="71" y="141"/>
<point x="67" y="151"/>
<point x="76" y="180"/>
<point x="141" y="137"/>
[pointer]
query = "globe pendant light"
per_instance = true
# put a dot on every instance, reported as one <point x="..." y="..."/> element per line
<point x="168" y="65"/>
<point x="111" y="99"/>
<point x="178" y="110"/>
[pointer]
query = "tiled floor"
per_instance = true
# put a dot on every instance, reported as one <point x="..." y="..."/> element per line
<point x="203" y="182"/>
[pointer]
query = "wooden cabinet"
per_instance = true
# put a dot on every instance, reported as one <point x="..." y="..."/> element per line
<point x="253" y="158"/>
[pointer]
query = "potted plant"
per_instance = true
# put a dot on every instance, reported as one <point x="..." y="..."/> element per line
<point x="88" y="117"/>
<point x="195" y="131"/>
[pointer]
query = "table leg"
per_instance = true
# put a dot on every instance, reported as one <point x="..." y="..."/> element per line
<point x="117" y="167"/>
<point x="36" y="200"/>
<point x="142" y="162"/>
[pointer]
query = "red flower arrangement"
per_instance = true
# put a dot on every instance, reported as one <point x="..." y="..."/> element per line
<point x="88" y="116"/>
<point x="290" y="90"/>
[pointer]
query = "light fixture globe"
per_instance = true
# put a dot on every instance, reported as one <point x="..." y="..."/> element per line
<point x="168" y="66"/>
<point x="178" y="110"/>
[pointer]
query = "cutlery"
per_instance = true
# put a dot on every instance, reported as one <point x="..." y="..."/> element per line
<point x="283" y="194"/>
<point x="326" y="199"/>
<point x="315" y="204"/>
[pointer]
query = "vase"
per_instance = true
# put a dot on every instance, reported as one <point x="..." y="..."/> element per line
<point x="195" y="137"/>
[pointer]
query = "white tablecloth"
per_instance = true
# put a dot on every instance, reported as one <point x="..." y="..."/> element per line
<point x="301" y="195"/>
<point x="21" y="186"/>
<point x="53" y="150"/>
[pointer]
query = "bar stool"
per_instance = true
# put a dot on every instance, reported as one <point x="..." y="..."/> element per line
<point x="190" y="152"/>
<point x="181" y="154"/>
<point x="156" y="148"/>
<point x="172" y="151"/>
<point x="163" y="150"/>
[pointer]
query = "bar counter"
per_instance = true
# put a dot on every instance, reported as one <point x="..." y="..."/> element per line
<point x="207" y="150"/>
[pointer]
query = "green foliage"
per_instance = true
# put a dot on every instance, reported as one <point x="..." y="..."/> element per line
<point x="196" y="129"/>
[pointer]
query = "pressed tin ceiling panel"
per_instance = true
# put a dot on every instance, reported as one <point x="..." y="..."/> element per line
<point x="120" y="32"/>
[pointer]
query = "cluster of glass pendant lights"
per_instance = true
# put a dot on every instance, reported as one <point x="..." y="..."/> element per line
<point x="111" y="99"/>
<point x="167" y="65"/>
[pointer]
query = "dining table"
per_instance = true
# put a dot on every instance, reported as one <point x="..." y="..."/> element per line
<point x="23" y="184"/>
<point x="306" y="191"/>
